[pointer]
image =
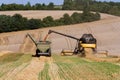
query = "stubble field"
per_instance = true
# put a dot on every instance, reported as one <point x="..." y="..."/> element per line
<point x="24" y="67"/>
<point x="17" y="63"/>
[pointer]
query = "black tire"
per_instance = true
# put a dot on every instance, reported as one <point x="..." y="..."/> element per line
<point x="37" y="51"/>
<point x="49" y="52"/>
<point x="75" y="51"/>
<point x="82" y="51"/>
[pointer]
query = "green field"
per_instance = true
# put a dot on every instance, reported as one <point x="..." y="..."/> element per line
<point x="10" y="62"/>
<point x="75" y="68"/>
<point x="60" y="68"/>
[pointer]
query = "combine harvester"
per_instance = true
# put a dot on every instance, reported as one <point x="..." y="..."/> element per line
<point x="43" y="47"/>
<point x="85" y="43"/>
<point x="87" y="47"/>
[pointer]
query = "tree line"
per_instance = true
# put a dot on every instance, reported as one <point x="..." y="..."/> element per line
<point x="28" y="6"/>
<point x="17" y="22"/>
<point x="97" y="6"/>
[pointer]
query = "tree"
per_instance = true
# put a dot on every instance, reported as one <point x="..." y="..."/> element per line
<point x="37" y="6"/>
<point x="114" y="10"/>
<point x="4" y="23"/>
<point x="50" y="6"/>
<point x="77" y="17"/>
<point x="18" y="22"/>
<point x="3" y="7"/>
<point x="34" y="24"/>
<point x="67" y="19"/>
<point x="44" y="7"/>
<point x="105" y="8"/>
<point x="68" y="5"/>
<point x="48" y="21"/>
<point x="28" y="6"/>
<point x="86" y="9"/>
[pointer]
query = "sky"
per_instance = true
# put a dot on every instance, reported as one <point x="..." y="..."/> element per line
<point x="57" y="2"/>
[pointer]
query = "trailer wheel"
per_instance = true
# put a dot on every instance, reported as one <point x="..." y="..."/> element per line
<point x="37" y="51"/>
<point x="49" y="51"/>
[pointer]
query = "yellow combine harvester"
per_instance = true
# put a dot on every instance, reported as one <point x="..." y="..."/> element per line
<point x="86" y="41"/>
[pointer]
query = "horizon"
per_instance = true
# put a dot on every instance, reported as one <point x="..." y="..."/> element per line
<point x="32" y="2"/>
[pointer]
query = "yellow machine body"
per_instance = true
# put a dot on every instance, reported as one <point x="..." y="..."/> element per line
<point x="66" y="53"/>
<point x="88" y="45"/>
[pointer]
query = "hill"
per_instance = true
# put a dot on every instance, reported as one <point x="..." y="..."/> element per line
<point x="105" y="30"/>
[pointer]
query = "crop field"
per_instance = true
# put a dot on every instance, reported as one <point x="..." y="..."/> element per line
<point x="24" y="67"/>
<point x="106" y="31"/>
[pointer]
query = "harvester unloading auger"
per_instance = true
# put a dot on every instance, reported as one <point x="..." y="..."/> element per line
<point x="43" y="47"/>
<point x="86" y="41"/>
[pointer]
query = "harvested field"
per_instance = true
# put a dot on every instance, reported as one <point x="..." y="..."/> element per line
<point x="23" y="67"/>
<point x="12" y="64"/>
<point x="106" y="31"/>
<point x="38" y="14"/>
<point x="18" y="66"/>
<point x="31" y="71"/>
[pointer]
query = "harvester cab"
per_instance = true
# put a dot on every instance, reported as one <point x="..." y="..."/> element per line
<point x="42" y="47"/>
<point x="86" y="41"/>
